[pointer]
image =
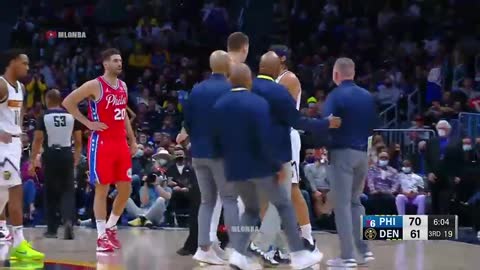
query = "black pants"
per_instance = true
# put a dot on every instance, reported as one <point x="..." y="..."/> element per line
<point x="59" y="186"/>
<point x="475" y="208"/>
<point x="191" y="243"/>
<point x="441" y="200"/>
<point x="381" y="204"/>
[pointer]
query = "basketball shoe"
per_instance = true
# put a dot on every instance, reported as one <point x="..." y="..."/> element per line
<point x="112" y="236"/>
<point x="24" y="251"/>
<point x="104" y="244"/>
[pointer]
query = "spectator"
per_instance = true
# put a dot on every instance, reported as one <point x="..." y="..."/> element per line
<point x="382" y="181"/>
<point x="417" y="159"/>
<point x="181" y="176"/>
<point x="395" y="154"/>
<point x="154" y="197"/>
<point x="388" y="94"/>
<point x="316" y="174"/>
<point x="36" y="89"/>
<point x="442" y="163"/>
<point x="411" y="190"/>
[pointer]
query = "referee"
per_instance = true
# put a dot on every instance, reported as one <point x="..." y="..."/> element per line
<point x="54" y="130"/>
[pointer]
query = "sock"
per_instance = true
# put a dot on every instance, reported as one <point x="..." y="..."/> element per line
<point x="17" y="235"/>
<point x="3" y="224"/>
<point x="100" y="227"/>
<point x="307" y="232"/>
<point x="112" y="221"/>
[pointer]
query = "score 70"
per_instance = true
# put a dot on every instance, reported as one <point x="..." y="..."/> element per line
<point x="415" y="221"/>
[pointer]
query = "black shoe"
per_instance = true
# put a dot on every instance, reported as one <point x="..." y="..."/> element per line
<point x="310" y="247"/>
<point x="68" y="232"/>
<point x="281" y="258"/>
<point x="50" y="235"/>
<point x="184" y="252"/>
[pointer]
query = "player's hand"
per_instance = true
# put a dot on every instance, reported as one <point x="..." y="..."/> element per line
<point x="5" y="137"/>
<point x="133" y="148"/>
<point x="181" y="137"/>
<point x="432" y="177"/>
<point x="335" y="122"/>
<point x="457" y="180"/>
<point x="96" y="126"/>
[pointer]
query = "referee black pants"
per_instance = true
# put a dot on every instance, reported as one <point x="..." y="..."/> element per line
<point x="59" y="186"/>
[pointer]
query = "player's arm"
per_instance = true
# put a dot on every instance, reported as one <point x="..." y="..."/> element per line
<point x="24" y="106"/>
<point x="38" y="137"/>
<point x="4" y="137"/>
<point x="70" y="103"/>
<point x="77" y="142"/>
<point x="130" y="134"/>
<point x="131" y="114"/>
<point x="291" y="82"/>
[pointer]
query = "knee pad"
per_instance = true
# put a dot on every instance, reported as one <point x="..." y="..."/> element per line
<point x="3" y="197"/>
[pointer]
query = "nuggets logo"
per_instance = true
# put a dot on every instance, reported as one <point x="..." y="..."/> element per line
<point x="129" y="173"/>
<point x="7" y="175"/>
<point x="370" y="234"/>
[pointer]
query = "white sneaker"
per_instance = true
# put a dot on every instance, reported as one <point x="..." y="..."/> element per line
<point x="339" y="262"/>
<point x="239" y="261"/>
<point x="304" y="259"/>
<point x="366" y="258"/>
<point x="222" y="254"/>
<point x="5" y="235"/>
<point x="209" y="257"/>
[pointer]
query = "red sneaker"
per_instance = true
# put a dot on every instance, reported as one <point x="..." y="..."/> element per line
<point x="104" y="244"/>
<point x="112" y="236"/>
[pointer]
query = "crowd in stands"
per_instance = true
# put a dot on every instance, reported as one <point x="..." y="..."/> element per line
<point x="400" y="47"/>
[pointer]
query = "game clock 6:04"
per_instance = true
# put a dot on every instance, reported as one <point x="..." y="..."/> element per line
<point x="442" y="227"/>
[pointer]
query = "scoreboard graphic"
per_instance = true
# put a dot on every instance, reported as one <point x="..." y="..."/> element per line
<point x="409" y="227"/>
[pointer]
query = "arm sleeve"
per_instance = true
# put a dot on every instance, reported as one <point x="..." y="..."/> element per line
<point x="261" y="128"/>
<point x="329" y="106"/>
<point x="284" y="106"/>
<point x="40" y="125"/>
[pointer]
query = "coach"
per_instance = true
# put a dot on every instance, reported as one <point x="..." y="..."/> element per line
<point x="55" y="130"/>
<point x="348" y="158"/>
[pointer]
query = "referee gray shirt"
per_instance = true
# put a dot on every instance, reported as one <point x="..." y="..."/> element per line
<point x="58" y="126"/>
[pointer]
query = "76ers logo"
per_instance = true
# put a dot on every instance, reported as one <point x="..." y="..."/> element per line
<point x="115" y="101"/>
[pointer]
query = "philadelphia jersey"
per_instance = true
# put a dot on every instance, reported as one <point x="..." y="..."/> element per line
<point x="299" y="96"/>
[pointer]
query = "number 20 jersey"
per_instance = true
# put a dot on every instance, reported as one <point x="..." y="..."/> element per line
<point x="110" y="109"/>
<point x="108" y="152"/>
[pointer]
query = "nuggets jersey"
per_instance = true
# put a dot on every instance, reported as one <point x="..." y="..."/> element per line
<point x="109" y="156"/>
<point x="110" y="109"/>
<point x="299" y="96"/>
<point x="11" y="122"/>
<point x="295" y="140"/>
<point x="11" y="109"/>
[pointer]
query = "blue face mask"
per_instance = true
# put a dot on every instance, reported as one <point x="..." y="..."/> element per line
<point x="407" y="170"/>
<point x="139" y="153"/>
<point x="383" y="163"/>
<point x="467" y="147"/>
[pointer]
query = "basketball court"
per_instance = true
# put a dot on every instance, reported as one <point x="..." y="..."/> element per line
<point x="145" y="249"/>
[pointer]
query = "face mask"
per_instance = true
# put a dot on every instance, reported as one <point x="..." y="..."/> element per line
<point x="310" y="159"/>
<point x="407" y="169"/>
<point x="162" y="162"/>
<point x="179" y="159"/>
<point x="139" y="153"/>
<point x="467" y="147"/>
<point x="383" y="163"/>
<point x="441" y="132"/>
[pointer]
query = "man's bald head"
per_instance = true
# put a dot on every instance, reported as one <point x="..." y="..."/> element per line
<point x="270" y="64"/>
<point x="220" y="62"/>
<point x="241" y="76"/>
<point x="53" y="98"/>
<point x="344" y="69"/>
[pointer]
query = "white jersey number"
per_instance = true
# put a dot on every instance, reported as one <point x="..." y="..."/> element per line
<point x="120" y="114"/>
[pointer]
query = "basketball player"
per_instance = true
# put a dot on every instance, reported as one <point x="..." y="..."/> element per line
<point x="291" y="82"/>
<point x="238" y="46"/>
<point x="11" y="120"/>
<point x="109" y="155"/>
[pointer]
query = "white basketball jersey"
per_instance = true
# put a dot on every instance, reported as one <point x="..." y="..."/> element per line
<point x="11" y="109"/>
<point x="299" y="96"/>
